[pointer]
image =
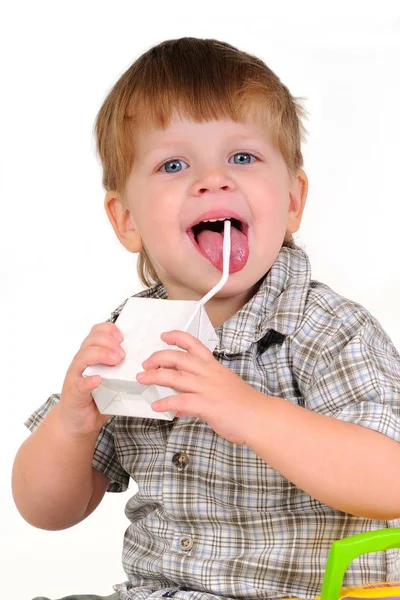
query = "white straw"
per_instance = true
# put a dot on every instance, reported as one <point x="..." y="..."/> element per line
<point x="226" y="253"/>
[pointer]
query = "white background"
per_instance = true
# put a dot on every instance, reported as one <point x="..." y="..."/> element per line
<point x="62" y="268"/>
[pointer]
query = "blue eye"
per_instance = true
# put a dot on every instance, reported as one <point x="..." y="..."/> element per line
<point x="173" y="166"/>
<point x="243" y="158"/>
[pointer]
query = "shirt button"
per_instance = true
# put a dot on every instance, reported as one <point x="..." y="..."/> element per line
<point x="186" y="543"/>
<point x="180" y="460"/>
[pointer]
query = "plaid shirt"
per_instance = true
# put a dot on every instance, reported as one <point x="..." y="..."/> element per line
<point x="211" y="519"/>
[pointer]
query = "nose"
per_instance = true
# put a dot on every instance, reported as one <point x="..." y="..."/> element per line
<point x="213" y="180"/>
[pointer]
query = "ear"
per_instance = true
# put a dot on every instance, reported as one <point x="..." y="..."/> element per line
<point x="298" y="196"/>
<point x="122" y="221"/>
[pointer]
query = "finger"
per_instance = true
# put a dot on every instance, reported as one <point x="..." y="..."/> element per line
<point x="178" y="380"/>
<point x="101" y="338"/>
<point x="106" y="328"/>
<point x="94" y="355"/>
<point x="87" y="384"/>
<point x="188" y="342"/>
<point x="175" y="359"/>
<point x="112" y="328"/>
<point x="185" y="405"/>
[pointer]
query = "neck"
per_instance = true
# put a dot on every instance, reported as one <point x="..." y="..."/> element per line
<point x="218" y="310"/>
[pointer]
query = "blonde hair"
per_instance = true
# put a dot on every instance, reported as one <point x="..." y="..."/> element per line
<point x="203" y="79"/>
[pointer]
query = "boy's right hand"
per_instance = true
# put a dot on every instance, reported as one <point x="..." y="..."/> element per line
<point x="79" y="413"/>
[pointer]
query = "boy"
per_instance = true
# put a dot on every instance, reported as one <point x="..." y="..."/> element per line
<point x="286" y="436"/>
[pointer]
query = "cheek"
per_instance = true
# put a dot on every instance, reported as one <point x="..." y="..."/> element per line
<point x="155" y="209"/>
<point x="164" y="202"/>
<point x="270" y="220"/>
<point x="270" y="200"/>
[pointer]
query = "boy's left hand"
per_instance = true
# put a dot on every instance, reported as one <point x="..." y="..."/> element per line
<point x="210" y="390"/>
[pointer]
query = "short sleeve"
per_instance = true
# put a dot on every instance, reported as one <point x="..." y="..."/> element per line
<point x="104" y="459"/>
<point x="357" y="378"/>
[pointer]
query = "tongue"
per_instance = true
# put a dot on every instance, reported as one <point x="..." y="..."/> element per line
<point x="210" y="243"/>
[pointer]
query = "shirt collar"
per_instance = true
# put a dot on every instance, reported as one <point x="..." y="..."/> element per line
<point x="278" y="304"/>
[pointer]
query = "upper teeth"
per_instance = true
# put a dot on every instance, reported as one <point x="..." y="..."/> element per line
<point x="213" y="220"/>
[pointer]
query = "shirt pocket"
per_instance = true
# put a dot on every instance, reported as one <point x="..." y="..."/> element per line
<point x="245" y="480"/>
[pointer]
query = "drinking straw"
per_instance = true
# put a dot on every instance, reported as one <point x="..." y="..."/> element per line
<point x="226" y="253"/>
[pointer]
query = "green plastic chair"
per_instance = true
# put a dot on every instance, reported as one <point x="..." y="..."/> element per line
<point x="342" y="552"/>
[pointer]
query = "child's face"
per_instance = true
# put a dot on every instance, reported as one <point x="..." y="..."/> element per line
<point x="191" y="168"/>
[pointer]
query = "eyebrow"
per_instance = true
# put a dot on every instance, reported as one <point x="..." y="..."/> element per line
<point x="231" y="139"/>
<point x="163" y="146"/>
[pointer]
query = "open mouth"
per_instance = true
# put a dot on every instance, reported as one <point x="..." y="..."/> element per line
<point x="208" y="237"/>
